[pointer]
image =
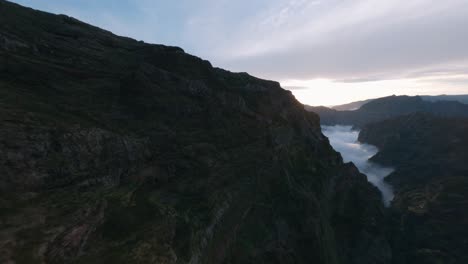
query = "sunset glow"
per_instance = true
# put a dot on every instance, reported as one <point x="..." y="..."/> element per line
<point x="328" y="92"/>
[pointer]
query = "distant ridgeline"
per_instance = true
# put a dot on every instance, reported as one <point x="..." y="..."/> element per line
<point x="426" y="140"/>
<point x="388" y="107"/>
<point x="431" y="98"/>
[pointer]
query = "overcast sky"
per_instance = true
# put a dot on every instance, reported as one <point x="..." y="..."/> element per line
<point x="326" y="51"/>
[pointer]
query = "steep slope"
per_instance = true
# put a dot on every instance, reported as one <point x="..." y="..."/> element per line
<point x="388" y="107"/>
<point x="431" y="183"/>
<point x="117" y="151"/>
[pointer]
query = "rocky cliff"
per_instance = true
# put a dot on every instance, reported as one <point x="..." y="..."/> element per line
<point x="431" y="182"/>
<point x="118" y="151"/>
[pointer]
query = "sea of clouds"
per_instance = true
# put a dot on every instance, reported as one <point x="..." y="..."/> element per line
<point x="345" y="140"/>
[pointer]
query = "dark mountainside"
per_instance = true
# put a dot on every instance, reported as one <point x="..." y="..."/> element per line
<point x="389" y="107"/>
<point x="117" y="151"/>
<point x="431" y="181"/>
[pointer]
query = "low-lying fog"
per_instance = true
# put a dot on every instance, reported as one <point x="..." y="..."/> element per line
<point x="345" y="140"/>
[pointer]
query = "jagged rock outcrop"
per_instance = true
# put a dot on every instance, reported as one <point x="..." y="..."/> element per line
<point x="429" y="213"/>
<point x="118" y="151"/>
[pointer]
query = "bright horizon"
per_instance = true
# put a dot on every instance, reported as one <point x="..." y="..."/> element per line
<point x="323" y="92"/>
<point x="326" y="52"/>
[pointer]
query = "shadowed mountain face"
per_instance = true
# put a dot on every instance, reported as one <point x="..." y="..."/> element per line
<point x="431" y="182"/>
<point x="388" y="107"/>
<point x="117" y="151"/>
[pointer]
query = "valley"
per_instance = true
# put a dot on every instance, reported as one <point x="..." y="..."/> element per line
<point x="345" y="140"/>
<point x="429" y="175"/>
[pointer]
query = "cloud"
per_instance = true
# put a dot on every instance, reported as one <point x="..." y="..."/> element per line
<point x="344" y="140"/>
<point x="385" y="44"/>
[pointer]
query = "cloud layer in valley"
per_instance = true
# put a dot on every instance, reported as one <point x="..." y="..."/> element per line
<point x="344" y="140"/>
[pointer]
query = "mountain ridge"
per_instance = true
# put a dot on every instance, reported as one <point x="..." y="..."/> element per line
<point x="118" y="151"/>
<point x="462" y="98"/>
<point x="389" y="107"/>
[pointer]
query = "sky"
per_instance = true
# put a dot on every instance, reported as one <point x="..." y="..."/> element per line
<point x="327" y="52"/>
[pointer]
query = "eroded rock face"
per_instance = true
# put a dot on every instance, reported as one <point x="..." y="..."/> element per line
<point x="37" y="157"/>
<point x="117" y="151"/>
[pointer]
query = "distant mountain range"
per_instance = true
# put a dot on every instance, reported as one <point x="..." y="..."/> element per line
<point x="431" y="98"/>
<point x="351" y="106"/>
<point x="388" y="107"/>
<point x="458" y="98"/>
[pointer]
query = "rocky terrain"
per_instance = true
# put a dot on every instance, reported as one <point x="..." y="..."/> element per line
<point x="117" y="151"/>
<point x="431" y="182"/>
<point x="388" y="107"/>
